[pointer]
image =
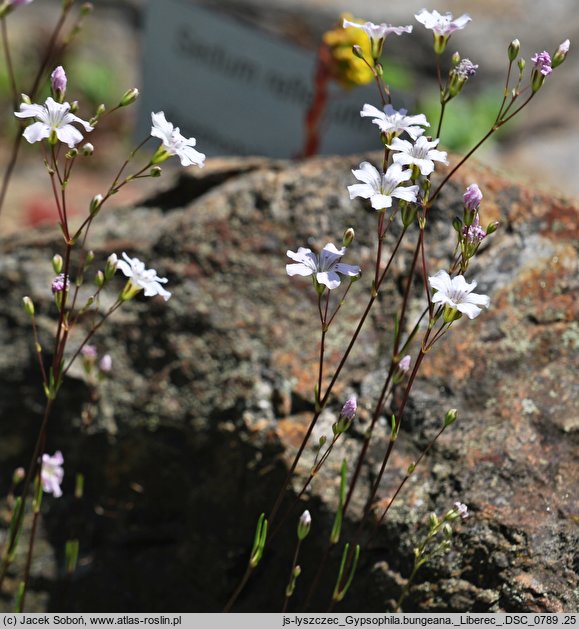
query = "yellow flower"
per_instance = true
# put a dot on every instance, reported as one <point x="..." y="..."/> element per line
<point x="347" y="69"/>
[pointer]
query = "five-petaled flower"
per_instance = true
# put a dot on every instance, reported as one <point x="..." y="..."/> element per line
<point x="53" y="122"/>
<point x="324" y="268"/>
<point x="442" y="24"/>
<point x="393" y="122"/>
<point x="141" y="278"/>
<point x="380" y="188"/>
<point x="377" y="32"/>
<point x="421" y="154"/>
<point x="52" y="473"/>
<point x="174" y="143"/>
<point x="455" y="294"/>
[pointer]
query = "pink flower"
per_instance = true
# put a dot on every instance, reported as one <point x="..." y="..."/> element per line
<point x="442" y="24"/>
<point x="542" y="61"/>
<point x="349" y="409"/>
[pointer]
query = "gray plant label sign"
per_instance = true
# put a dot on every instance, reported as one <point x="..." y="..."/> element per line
<point x="238" y="89"/>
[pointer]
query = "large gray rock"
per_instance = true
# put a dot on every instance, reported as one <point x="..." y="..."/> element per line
<point x="190" y="438"/>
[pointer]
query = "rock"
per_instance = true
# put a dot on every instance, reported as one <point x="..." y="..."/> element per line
<point x="192" y="435"/>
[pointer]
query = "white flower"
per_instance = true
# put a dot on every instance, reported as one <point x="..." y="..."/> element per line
<point x="380" y="188"/>
<point x="395" y="122"/>
<point x="457" y="293"/>
<point x="174" y="142"/>
<point x="54" y="118"/>
<point x="376" y="32"/>
<point x="324" y="267"/>
<point x="422" y="154"/>
<point x="52" y="473"/>
<point x="442" y="24"/>
<point x="142" y="278"/>
<point x="461" y="509"/>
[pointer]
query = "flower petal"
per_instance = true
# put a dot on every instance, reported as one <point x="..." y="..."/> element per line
<point x="36" y="132"/>
<point x="328" y="278"/>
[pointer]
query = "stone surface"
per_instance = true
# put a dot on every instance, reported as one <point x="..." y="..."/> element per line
<point x="210" y="393"/>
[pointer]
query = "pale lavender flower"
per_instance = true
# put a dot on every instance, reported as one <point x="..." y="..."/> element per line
<point x="324" y="268"/>
<point x="349" y="409"/>
<point x="52" y="118"/>
<point x="106" y="363"/>
<point x="474" y="233"/>
<point x="395" y="122"/>
<point x="441" y="24"/>
<point x="141" y="278"/>
<point x="381" y="188"/>
<point x="404" y="364"/>
<point x="89" y="352"/>
<point x="462" y="509"/>
<point x="18" y="3"/>
<point x="465" y="68"/>
<point x="422" y="154"/>
<point x="59" y="284"/>
<point x="174" y="142"/>
<point x="456" y="293"/>
<point x="52" y="473"/>
<point x="542" y="61"/>
<point x="472" y="197"/>
<point x="377" y="32"/>
<point x="58" y="80"/>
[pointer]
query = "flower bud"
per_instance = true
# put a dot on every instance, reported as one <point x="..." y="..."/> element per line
<point x="106" y="363"/>
<point x="447" y="530"/>
<point x="28" y="306"/>
<point x="86" y="8"/>
<point x="89" y="258"/>
<point x="72" y="153"/>
<point x="450" y="417"/>
<point x="129" y="97"/>
<point x="58" y="83"/>
<point x="349" y="409"/>
<point x="514" y="48"/>
<point x="25" y="99"/>
<point x="95" y="204"/>
<point x="100" y="110"/>
<point x="492" y="227"/>
<point x="57" y="263"/>
<point x="60" y="284"/>
<point x="87" y="149"/>
<point x="472" y="197"/>
<point x="521" y="63"/>
<point x="455" y="59"/>
<point x="348" y="237"/>
<point x="111" y="266"/>
<point x="156" y="171"/>
<point x="304" y="525"/>
<point x="99" y="279"/>
<point x="433" y="521"/>
<point x="74" y="107"/>
<point x="18" y="476"/>
<point x="561" y="54"/>
<point x="357" y="51"/>
<point x="457" y="224"/>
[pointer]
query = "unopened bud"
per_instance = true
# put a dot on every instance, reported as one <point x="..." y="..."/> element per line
<point x="100" y="279"/>
<point x="358" y="52"/>
<point x="86" y="8"/>
<point x="57" y="263"/>
<point x="111" y="266"/>
<point x="18" y="476"/>
<point x="304" y="525"/>
<point x="89" y="258"/>
<point x="72" y="153"/>
<point x="28" y="306"/>
<point x="450" y="417"/>
<point x="25" y="99"/>
<point x="514" y="48"/>
<point x="447" y="531"/>
<point x="348" y="237"/>
<point x="100" y="110"/>
<point x="457" y="224"/>
<point x="58" y="83"/>
<point x="521" y="63"/>
<point x="156" y="171"/>
<point x="74" y="106"/>
<point x="561" y="54"/>
<point x="455" y="59"/>
<point x="433" y="521"/>
<point x="129" y="97"/>
<point x="87" y="149"/>
<point x="492" y="227"/>
<point x="95" y="204"/>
